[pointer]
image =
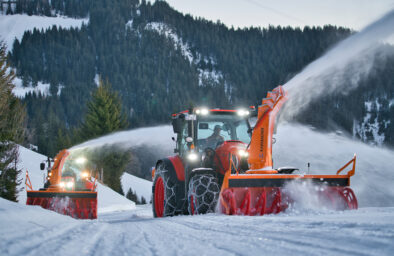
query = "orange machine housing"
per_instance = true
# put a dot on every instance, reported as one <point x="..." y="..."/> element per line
<point x="80" y="203"/>
<point x="259" y="190"/>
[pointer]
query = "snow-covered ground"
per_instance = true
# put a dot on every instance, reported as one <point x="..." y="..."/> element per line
<point x="31" y="230"/>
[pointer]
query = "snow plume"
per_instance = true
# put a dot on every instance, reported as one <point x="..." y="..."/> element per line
<point x="306" y="196"/>
<point x="341" y="68"/>
<point x="297" y="145"/>
<point x="159" y="136"/>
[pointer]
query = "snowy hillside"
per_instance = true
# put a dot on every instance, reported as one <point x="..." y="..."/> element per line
<point x="14" y="26"/>
<point x="140" y="186"/>
<point x="108" y="200"/>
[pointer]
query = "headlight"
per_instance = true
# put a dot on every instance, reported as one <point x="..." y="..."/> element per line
<point x="62" y="184"/>
<point x="80" y="160"/>
<point x="85" y="175"/>
<point x="243" y="153"/>
<point x="70" y="184"/>
<point x="192" y="156"/>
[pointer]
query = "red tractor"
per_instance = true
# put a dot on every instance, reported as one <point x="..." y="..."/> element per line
<point x="190" y="182"/>
<point x="223" y="161"/>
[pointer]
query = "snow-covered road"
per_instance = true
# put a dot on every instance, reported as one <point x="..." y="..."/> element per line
<point x="27" y="230"/>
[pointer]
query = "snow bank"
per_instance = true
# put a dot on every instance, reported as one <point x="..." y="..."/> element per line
<point x="14" y="26"/>
<point x="141" y="186"/>
<point x="110" y="201"/>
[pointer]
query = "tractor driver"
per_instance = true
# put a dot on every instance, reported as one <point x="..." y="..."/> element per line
<point x="215" y="139"/>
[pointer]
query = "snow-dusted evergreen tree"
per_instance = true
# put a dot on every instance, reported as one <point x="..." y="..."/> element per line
<point x="12" y="114"/>
<point x="104" y="114"/>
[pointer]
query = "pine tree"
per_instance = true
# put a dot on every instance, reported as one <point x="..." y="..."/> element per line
<point x="131" y="195"/>
<point x="143" y="200"/>
<point x="104" y="114"/>
<point x="12" y="114"/>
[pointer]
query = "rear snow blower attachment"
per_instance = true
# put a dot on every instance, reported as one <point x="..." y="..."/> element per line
<point x="68" y="189"/>
<point x="262" y="190"/>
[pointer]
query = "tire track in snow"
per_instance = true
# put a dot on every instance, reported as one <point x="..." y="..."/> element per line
<point x="24" y="245"/>
<point x="302" y="242"/>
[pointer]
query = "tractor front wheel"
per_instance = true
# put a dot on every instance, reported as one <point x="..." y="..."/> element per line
<point x="164" y="193"/>
<point x="203" y="194"/>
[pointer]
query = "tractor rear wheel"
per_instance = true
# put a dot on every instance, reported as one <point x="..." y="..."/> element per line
<point x="164" y="193"/>
<point x="203" y="194"/>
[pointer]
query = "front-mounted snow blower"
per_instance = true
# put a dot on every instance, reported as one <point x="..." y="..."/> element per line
<point x="222" y="159"/>
<point x="68" y="189"/>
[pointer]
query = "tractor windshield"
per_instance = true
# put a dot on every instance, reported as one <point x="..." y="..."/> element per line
<point x="214" y="129"/>
<point x="75" y="168"/>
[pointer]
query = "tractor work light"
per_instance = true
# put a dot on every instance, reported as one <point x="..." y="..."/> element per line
<point x="62" y="184"/>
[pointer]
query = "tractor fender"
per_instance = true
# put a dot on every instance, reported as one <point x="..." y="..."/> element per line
<point x="176" y="171"/>
<point x="175" y="167"/>
<point x="196" y="171"/>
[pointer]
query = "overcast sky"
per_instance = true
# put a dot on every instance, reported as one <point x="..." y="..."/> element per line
<point x="353" y="14"/>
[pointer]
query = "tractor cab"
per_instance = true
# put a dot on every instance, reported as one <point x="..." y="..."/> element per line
<point x="206" y="137"/>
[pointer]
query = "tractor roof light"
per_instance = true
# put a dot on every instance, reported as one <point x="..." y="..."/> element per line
<point x="202" y="111"/>
<point x="243" y="112"/>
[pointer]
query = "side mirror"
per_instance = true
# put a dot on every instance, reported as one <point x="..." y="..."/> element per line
<point x="42" y="166"/>
<point x="177" y="125"/>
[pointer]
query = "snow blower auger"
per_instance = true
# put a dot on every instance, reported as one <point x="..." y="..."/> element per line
<point x="261" y="189"/>
<point x="68" y="188"/>
<point x="221" y="158"/>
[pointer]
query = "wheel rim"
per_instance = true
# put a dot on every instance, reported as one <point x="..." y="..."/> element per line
<point x="192" y="205"/>
<point x="159" y="197"/>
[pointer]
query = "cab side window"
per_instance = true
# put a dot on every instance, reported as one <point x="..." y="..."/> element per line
<point x="183" y="144"/>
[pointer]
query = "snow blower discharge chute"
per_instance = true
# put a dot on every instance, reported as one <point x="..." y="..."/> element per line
<point x="222" y="160"/>
<point x="68" y="188"/>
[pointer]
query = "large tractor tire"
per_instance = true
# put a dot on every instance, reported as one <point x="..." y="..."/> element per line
<point x="163" y="193"/>
<point x="203" y="194"/>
